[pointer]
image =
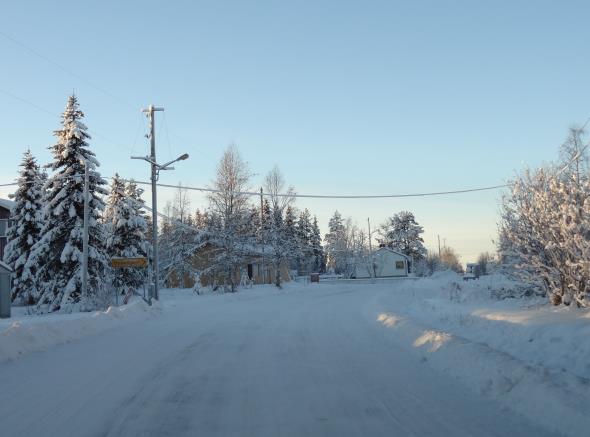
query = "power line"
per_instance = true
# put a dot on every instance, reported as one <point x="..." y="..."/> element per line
<point x="319" y="196"/>
<point x="61" y="67"/>
<point x="313" y="196"/>
<point x="40" y="108"/>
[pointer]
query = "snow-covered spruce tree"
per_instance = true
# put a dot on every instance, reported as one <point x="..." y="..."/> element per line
<point x="401" y="232"/>
<point x="58" y="253"/>
<point x="290" y="237"/>
<point x="126" y="229"/>
<point x="319" y="258"/>
<point x="304" y="242"/>
<point x="27" y="218"/>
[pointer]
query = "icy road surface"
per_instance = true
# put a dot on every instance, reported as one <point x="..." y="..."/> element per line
<point x="299" y="362"/>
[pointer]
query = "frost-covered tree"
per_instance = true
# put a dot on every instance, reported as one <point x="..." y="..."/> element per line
<point x="280" y="198"/>
<point x="57" y="255"/>
<point x="401" y="232"/>
<point x="126" y="228"/>
<point x="27" y="216"/>
<point x="228" y="207"/>
<point x="450" y="259"/>
<point x="180" y="239"/>
<point x="545" y="229"/>
<point x="336" y="244"/>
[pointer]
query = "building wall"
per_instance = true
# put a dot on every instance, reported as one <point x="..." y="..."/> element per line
<point x="4" y="223"/>
<point x="387" y="264"/>
<point x="390" y="264"/>
<point x="261" y="272"/>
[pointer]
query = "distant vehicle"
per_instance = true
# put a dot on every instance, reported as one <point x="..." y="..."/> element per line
<point x="472" y="271"/>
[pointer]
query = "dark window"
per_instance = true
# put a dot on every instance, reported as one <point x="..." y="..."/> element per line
<point x="399" y="265"/>
<point x="250" y="271"/>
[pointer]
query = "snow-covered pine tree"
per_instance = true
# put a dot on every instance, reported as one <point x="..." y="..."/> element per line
<point x="126" y="229"/>
<point x="58" y="253"/>
<point x="27" y="218"/>
<point x="401" y="232"/>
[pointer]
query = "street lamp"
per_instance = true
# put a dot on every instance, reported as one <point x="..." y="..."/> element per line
<point x="156" y="168"/>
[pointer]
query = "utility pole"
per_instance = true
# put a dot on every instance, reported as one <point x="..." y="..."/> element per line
<point x="155" y="268"/>
<point x="156" y="168"/>
<point x="370" y="245"/>
<point x="85" y="236"/>
<point x="373" y="265"/>
<point x="262" y="233"/>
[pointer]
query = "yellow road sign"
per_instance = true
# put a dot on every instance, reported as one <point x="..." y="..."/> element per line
<point x="120" y="263"/>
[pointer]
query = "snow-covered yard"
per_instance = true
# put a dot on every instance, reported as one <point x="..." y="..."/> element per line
<point x="405" y="357"/>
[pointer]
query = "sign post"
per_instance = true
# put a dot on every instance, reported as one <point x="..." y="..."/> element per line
<point x="122" y="263"/>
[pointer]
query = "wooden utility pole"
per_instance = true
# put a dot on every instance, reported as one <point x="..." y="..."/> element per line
<point x="370" y="245"/>
<point x="262" y="233"/>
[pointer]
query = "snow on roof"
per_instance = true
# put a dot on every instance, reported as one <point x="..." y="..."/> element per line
<point x="5" y="203"/>
<point x="393" y="251"/>
<point x="5" y="266"/>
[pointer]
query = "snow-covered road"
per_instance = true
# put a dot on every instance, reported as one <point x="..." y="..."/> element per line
<point x="300" y="362"/>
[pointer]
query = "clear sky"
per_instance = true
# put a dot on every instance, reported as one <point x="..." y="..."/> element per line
<point x="346" y="97"/>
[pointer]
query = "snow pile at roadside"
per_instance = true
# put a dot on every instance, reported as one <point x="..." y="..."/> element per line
<point x="22" y="335"/>
<point x="528" y="355"/>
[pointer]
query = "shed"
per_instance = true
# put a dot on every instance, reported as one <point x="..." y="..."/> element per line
<point x="383" y="263"/>
<point x="5" y="303"/>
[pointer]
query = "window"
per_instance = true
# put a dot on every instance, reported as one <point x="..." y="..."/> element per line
<point x="3" y="227"/>
<point x="399" y="265"/>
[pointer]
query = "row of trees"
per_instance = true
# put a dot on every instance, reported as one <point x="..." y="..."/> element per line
<point x="545" y="226"/>
<point x="45" y="242"/>
<point x="237" y="229"/>
<point x="347" y="245"/>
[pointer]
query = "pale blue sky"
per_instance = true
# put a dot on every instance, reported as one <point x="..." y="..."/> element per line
<point x="346" y="97"/>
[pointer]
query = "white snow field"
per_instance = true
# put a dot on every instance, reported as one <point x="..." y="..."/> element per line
<point x="334" y="359"/>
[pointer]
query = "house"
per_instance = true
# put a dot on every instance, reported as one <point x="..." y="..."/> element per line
<point x="383" y="263"/>
<point x="5" y="208"/>
<point x="257" y="268"/>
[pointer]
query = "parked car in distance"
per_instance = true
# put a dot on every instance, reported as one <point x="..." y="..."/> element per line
<point x="472" y="271"/>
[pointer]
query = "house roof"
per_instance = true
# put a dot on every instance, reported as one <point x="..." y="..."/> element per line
<point x="393" y="251"/>
<point x="4" y="266"/>
<point x="7" y="204"/>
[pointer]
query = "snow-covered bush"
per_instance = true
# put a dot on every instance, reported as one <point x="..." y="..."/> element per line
<point x="545" y="234"/>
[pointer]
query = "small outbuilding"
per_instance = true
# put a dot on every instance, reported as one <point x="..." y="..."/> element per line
<point x="5" y="302"/>
<point x="383" y="263"/>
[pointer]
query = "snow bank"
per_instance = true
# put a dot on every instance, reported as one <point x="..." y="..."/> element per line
<point x="21" y="335"/>
<point x="526" y="354"/>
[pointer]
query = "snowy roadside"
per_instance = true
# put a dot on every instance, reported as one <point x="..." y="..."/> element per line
<point x="23" y="334"/>
<point x="530" y="357"/>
